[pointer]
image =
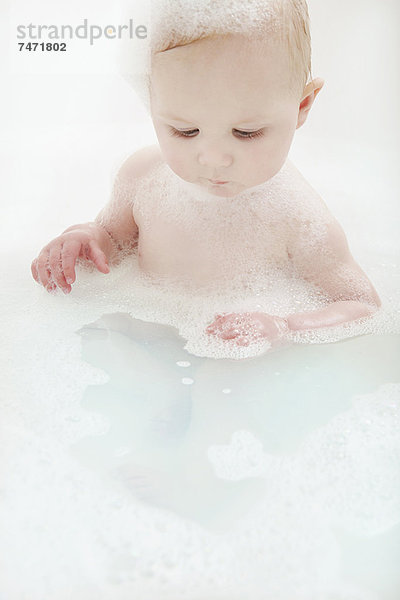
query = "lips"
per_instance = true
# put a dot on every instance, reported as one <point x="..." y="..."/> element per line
<point x="216" y="182"/>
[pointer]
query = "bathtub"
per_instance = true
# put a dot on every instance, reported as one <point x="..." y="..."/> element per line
<point x="132" y="467"/>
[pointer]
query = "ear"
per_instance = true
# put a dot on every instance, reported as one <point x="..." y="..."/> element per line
<point x="310" y="92"/>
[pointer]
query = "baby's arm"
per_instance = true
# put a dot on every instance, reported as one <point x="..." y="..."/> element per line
<point x="328" y="264"/>
<point x="323" y="259"/>
<point x="102" y="240"/>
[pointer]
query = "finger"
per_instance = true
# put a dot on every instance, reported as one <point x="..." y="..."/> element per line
<point x="98" y="257"/>
<point x="218" y="325"/>
<point x="225" y="316"/>
<point x="229" y="319"/>
<point x="55" y="264"/>
<point x="43" y="268"/>
<point x="51" y="287"/>
<point x="34" y="270"/>
<point x="229" y="334"/>
<point x="70" y="252"/>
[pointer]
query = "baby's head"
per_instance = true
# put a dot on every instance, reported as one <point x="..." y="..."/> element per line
<point x="228" y="88"/>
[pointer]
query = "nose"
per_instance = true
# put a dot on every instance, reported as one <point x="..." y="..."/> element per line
<point x="214" y="157"/>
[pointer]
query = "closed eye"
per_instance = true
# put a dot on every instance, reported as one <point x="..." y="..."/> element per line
<point x="244" y="135"/>
<point x="248" y="135"/>
<point x="183" y="132"/>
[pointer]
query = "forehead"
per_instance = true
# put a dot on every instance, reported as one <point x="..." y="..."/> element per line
<point x="234" y="69"/>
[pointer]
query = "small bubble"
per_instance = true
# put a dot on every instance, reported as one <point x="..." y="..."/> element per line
<point x="187" y="381"/>
<point x="226" y="391"/>
<point x="183" y="363"/>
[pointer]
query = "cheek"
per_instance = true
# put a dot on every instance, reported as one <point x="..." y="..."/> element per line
<point x="176" y="159"/>
<point x="174" y="155"/>
<point x="169" y="148"/>
<point x="273" y="150"/>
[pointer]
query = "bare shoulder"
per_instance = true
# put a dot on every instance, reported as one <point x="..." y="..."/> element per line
<point x="139" y="163"/>
<point x="319" y="250"/>
<point x="118" y="214"/>
<point x="305" y="194"/>
<point x="317" y="238"/>
<point x="310" y="221"/>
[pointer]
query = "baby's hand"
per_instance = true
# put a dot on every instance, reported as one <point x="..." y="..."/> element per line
<point x="55" y="265"/>
<point x="245" y="328"/>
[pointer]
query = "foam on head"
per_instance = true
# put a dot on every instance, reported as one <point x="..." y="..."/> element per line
<point x="176" y="23"/>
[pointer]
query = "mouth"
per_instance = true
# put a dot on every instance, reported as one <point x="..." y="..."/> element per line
<point x="217" y="182"/>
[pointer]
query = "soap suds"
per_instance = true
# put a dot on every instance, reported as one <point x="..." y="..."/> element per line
<point x="171" y="21"/>
<point x="196" y="259"/>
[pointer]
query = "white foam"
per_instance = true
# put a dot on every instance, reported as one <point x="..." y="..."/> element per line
<point x="81" y="532"/>
<point x="351" y="463"/>
<point x="179" y="19"/>
<point x="170" y="21"/>
<point x="220" y="268"/>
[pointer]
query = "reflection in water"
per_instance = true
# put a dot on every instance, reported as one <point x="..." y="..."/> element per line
<point x="215" y="441"/>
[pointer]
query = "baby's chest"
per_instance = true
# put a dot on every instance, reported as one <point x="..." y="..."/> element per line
<point x="210" y="245"/>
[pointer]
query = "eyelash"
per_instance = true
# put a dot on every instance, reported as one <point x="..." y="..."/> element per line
<point x="244" y="135"/>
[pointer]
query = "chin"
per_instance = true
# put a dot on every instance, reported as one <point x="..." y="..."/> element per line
<point x="223" y="192"/>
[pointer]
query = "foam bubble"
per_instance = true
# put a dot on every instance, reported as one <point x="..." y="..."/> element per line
<point x="171" y="21"/>
<point x="78" y="525"/>
<point x="187" y="381"/>
<point x="195" y="259"/>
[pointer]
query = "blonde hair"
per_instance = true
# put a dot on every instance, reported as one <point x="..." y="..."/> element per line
<point x="298" y="38"/>
<point x="176" y="23"/>
<point x="183" y="22"/>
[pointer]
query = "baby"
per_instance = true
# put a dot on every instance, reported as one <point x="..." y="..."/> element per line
<point x="226" y="96"/>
